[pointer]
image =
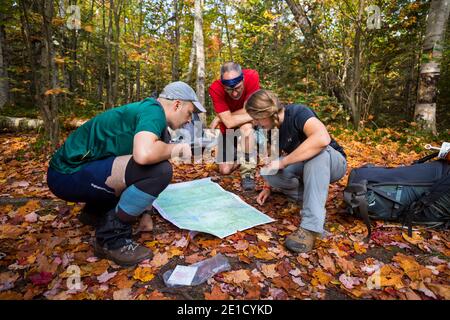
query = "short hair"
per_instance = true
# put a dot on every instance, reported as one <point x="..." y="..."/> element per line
<point x="230" y="66"/>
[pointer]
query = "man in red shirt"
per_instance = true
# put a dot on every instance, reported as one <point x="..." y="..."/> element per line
<point x="228" y="96"/>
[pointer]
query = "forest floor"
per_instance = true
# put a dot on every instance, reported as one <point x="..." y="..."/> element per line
<point x="41" y="240"/>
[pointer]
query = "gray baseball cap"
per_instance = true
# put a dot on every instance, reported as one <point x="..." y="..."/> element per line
<point x="180" y="90"/>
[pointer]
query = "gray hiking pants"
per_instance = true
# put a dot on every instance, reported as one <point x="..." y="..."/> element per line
<point x="308" y="181"/>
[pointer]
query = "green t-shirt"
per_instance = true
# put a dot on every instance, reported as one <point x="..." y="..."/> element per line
<point x="111" y="133"/>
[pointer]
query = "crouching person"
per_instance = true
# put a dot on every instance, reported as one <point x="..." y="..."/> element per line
<point x="312" y="161"/>
<point x="117" y="163"/>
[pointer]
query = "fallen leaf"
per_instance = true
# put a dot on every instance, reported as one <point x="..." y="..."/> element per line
<point x="7" y="280"/>
<point x="320" y="277"/>
<point x="193" y="258"/>
<point x="29" y="207"/>
<point x="156" y="295"/>
<point x="253" y="292"/>
<point x="269" y="270"/>
<point x="159" y="259"/>
<point x="122" y="294"/>
<point x="411" y="267"/>
<point x="328" y="263"/>
<point x="216" y="294"/>
<point x="442" y="290"/>
<point x="143" y="274"/>
<point x="345" y="265"/>
<point x="349" y="282"/>
<point x="41" y="278"/>
<point x="415" y="239"/>
<point x="47" y="218"/>
<point x="385" y="277"/>
<point x="121" y="281"/>
<point x="241" y="245"/>
<point x="106" y="276"/>
<point x="31" y="217"/>
<point x="237" y="277"/>
<point x="8" y="231"/>
<point x="359" y="248"/>
<point x="420" y="286"/>
<point x="264" y="237"/>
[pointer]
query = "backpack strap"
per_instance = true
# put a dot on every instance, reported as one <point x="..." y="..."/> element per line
<point x="439" y="190"/>
<point x="426" y="158"/>
<point x="355" y="196"/>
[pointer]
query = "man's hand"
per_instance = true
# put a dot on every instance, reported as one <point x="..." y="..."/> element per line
<point x="273" y="167"/>
<point x="263" y="196"/>
<point x="215" y="123"/>
<point x="181" y="152"/>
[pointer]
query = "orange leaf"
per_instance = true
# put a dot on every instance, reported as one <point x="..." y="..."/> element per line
<point x="237" y="277"/>
<point x="160" y="259"/>
<point x="269" y="270"/>
<point x="8" y="231"/>
<point x="216" y="294"/>
<point x="320" y="277"/>
<point x="411" y="267"/>
<point x="143" y="274"/>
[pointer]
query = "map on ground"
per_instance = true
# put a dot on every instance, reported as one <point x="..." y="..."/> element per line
<point x="204" y="206"/>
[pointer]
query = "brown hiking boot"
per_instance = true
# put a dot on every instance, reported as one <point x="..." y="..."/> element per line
<point x="128" y="255"/>
<point x="301" y="240"/>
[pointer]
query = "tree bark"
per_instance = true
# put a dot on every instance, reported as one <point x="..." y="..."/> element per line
<point x="49" y="108"/>
<point x="227" y="31"/>
<point x="41" y="57"/>
<point x="200" y="54"/>
<point x="4" y="83"/>
<point x="192" y="59"/>
<point x="425" y="109"/>
<point x="178" y="5"/>
<point x="117" y="10"/>
<point x="109" y="93"/>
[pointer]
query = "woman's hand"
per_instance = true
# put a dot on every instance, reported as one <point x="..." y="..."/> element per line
<point x="215" y="123"/>
<point x="263" y="195"/>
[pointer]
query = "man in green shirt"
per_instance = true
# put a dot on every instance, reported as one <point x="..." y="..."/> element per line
<point x="117" y="163"/>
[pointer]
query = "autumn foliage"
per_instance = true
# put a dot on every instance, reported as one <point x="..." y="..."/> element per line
<point x="41" y="239"/>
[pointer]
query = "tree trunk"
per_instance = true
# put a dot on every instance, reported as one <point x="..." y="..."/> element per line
<point x="4" y="83"/>
<point x="200" y="53"/>
<point x="117" y="10"/>
<point x="178" y="5"/>
<point x="49" y="106"/>
<point x="41" y="57"/>
<point x="192" y="58"/>
<point x="138" y="63"/>
<point x="354" y="94"/>
<point x="109" y="94"/>
<point x="425" y="110"/>
<point x="227" y="31"/>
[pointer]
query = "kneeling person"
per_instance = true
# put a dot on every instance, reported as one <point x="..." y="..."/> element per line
<point x="117" y="163"/>
<point x="313" y="160"/>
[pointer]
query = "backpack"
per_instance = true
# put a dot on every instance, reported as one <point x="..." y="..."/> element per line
<point x="415" y="194"/>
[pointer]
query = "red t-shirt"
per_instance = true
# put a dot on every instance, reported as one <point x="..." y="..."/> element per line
<point x="223" y="102"/>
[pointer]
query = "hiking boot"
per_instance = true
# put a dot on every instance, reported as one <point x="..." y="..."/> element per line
<point x="128" y="255"/>
<point x="248" y="183"/>
<point x="301" y="241"/>
<point x="114" y="242"/>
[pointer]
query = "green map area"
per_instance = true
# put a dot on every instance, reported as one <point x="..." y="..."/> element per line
<point x="204" y="206"/>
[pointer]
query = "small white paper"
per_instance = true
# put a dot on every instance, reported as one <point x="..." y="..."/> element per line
<point x="182" y="275"/>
